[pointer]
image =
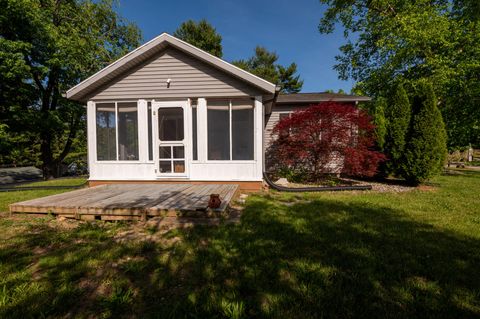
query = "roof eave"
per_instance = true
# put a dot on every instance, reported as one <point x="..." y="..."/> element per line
<point x="359" y="99"/>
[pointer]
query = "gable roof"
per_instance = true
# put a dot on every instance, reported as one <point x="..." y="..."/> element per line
<point x="151" y="48"/>
<point x="300" y="98"/>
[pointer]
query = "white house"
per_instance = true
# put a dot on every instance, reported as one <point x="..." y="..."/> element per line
<point x="170" y="112"/>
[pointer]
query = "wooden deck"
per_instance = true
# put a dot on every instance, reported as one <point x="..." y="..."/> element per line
<point x="131" y="201"/>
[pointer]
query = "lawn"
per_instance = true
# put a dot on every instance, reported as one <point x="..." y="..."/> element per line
<point x="7" y="198"/>
<point x="325" y="255"/>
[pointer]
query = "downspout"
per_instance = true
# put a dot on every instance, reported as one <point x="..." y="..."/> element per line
<point x="304" y="189"/>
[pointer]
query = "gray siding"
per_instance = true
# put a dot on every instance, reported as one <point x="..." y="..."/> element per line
<point x="189" y="78"/>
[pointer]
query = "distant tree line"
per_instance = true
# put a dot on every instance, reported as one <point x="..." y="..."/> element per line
<point x="404" y="41"/>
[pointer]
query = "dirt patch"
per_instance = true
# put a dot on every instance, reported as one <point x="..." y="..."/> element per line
<point x="427" y="188"/>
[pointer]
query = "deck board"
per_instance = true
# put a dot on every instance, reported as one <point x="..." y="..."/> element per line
<point x="129" y="201"/>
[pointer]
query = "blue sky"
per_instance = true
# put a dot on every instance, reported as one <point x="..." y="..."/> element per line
<point x="287" y="27"/>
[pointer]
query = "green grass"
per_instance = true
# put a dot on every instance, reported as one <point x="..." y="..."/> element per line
<point x="7" y="198"/>
<point x="71" y="181"/>
<point x="323" y="255"/>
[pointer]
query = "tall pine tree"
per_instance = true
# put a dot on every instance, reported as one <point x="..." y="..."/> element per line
<point x="202" y="35"/>
<point x="426" y="148"/>
<point x="264" y="64"/>
<point x="397" y="116"/>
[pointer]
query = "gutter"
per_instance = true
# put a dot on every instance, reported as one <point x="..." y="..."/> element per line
<point x="270" y="103"/>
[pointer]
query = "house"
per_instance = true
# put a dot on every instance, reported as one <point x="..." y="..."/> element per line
<point x="168" y="112"/>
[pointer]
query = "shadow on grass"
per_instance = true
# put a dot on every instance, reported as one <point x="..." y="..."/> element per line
<point x="308" y="260"/>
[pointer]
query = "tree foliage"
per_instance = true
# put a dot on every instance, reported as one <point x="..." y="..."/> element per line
<point x="202" y="35"/>
<point x="264" y="64"/>
<point x="425" y="151"/>
<point x="325" y="135"/>
<point x="413" y="39"/>
<point x="398" y="114"/>
<point x="46" y="48"/>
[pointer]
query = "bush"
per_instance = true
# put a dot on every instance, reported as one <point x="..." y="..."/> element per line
<point x="426" y="147"/>
<point x="328" y="138"/>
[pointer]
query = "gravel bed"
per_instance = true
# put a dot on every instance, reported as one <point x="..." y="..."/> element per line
<point x="382" y="187"/>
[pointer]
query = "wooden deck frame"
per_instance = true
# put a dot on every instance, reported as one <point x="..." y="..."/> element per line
<point x="244" y="186"/>
<point x="132" y="201"/>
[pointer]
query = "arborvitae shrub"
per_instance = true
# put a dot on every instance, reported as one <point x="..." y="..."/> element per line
<point x="380" y="122"/>
<point x="426" y="149"/>
<point x="397" y="115"/>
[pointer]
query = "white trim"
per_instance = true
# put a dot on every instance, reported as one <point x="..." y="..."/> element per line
<point x="91" y="134"/>
<point x="179" y="44"/>
<point x="142" y="111"/>
<point x="152" y="134"/>
<point x="230" y="128"/>
<point x="258" y="152"/>
<point x="117" y="150"/>
<point x="202" y="130"/>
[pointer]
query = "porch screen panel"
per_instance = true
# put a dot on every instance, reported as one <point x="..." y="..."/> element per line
<point x="127" y="131"/>
<point x="106" y="132"/>
<point x="242" y="130"/>
<point x="218" y="122"/>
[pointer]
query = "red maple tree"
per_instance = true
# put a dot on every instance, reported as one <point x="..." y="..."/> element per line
<point x="324" y="139"/>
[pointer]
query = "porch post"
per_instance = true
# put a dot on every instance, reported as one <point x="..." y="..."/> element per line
<point x="91" y="137"/>
<point x="142" y="131"/>
<point x="202" y="129"/>
<point x="259" y="153"/>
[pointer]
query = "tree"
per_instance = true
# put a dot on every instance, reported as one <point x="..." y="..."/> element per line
<point x="380" y="122"/>
<point x="264" y="64"/>
<point x="313" y="139"/>
<point x="426" y="150"/>
<point x="407" y="40"/>
<point x="202" y="35"/>
<point x="398" y="116"/>
<point x="52" y="45"/>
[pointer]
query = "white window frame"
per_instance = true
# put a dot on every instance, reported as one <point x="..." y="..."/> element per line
<point x="117" y="161"/>
<point x="152" y="161"/>
<point x="191" y="131"/>
<point x="230" y="135"/>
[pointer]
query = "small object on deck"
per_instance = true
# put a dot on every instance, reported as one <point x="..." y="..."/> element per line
<point x="214" y="201"/>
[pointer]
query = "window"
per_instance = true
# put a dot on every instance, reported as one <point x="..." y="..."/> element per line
<point x="117" y="131"/>
<point x="194" y="132"/>
<point x="284" y="115"/>
<point x="106" y="132"/>
<point x="242" y="130"/>
<point x="150" y="134"/>
<point x="218" y="123"/>
<point x="230" y="130"/>
<point x="127" y="131"/>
